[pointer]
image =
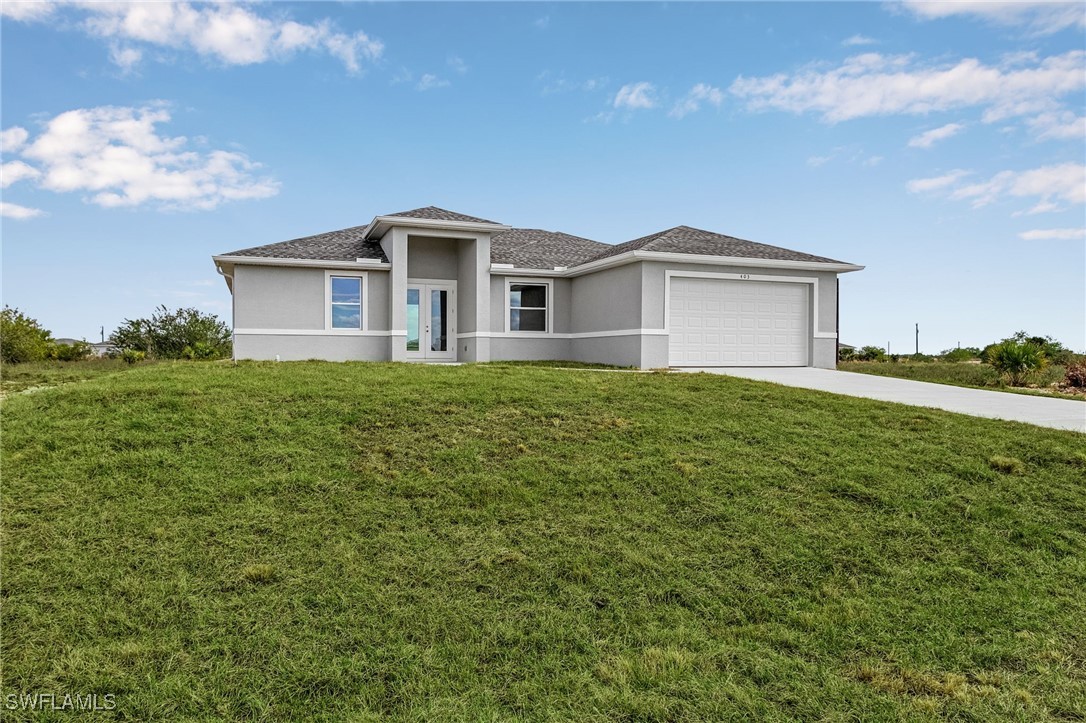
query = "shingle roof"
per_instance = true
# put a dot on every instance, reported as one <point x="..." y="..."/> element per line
<point x="345" y="245"/>
<point x="439" y="214"/>
<point x="687" y="240"/>
<point x="530" y="248"/>
<point x="533" y="248"/>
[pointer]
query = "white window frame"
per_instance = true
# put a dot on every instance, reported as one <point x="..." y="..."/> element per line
<point x="364" y="276"/>
<point x="520" y="281"/>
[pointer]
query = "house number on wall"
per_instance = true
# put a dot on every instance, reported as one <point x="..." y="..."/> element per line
<point x="744" y="276"/>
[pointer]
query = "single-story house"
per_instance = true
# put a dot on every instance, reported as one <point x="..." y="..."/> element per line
<point x="431" y="285"/>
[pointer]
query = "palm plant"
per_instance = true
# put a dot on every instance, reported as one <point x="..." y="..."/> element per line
<point x="1016" y="360"/>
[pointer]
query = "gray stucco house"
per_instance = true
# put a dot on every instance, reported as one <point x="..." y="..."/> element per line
<point x="430" y="285"/>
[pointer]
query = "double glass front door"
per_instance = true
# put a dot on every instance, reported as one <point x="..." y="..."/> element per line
<point x="431" y="321"/>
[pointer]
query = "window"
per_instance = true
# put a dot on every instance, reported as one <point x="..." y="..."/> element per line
<point x="346" y="302"/>
<point x="528" y="307"/>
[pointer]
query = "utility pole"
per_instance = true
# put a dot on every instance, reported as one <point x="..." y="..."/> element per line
<point x="102" y="331"/>
<point x="918" y="338"/>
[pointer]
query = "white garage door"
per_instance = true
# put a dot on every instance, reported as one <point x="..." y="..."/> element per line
<point x="724" y="322"/>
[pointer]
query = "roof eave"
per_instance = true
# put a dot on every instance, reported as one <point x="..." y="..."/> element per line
<point x="380" y="224"/>
<point x="629" y="257"/>
<point x="227" y="260"/>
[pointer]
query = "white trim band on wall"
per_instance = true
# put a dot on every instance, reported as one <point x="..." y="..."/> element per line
<point x="315" y="332"/>
<point x="543" y="335"/>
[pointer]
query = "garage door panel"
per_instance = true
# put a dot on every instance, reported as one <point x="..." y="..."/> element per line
<point x="726" y="322"/>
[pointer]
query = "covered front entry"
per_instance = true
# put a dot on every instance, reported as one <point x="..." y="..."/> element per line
<point x="737" y="322"/>
<point x="431" y="320"/>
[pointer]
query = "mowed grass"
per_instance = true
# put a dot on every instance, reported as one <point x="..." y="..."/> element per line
<point x="962" y="374"/>
<point x="334" y="542"/>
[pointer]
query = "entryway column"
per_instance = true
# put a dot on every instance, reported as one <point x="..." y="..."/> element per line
<point x="482" y="297"/>
<point x="397" y="293"/>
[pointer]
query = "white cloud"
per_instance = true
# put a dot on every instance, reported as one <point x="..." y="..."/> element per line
<point x="26" y="11"/>
<point x="117" y="156"/>
<point x="1059" y="125"/>
<point x="429" y="81"/>
<point x="543" y="23"/>
<point x="636" y="96"/>
<point x="700" y="93"/>
<point x="12" y="139"/>
<point x="1042" y="17"/>
<point x="872" y="161"/>
<point x="233" y="34"/>
<point x="858" y="40"/>
<point x="816" y="161"/>
<point x="125" y="58"/>
<point x="457" y="64"/>
<point x="1050" y="185"/>
<point x="929" y="138"/>
<point x="1054" y="234"/>
<point x="15" y="171"/>
<point x="927" y="185"/>
<point x="872" y="85"/>
<point x="17" y="212"/>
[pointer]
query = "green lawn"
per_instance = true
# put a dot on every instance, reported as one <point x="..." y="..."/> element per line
<point x="321" y="541"/>
<point x="962" y="374"/>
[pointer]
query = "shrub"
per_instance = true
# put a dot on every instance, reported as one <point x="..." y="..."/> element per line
<point x="871" y="353"/>
<point x="69" y="352"/>
<point x="168" y="334"/>
<point x="963" y="354"/>
<point x="845" y="354"/>
<point x="1016" y="360"/>
<point x="133" y="356"/>
<point x="200" y="350"/>
<point x="22" y="339"/>
<point x="1075" y="375"/>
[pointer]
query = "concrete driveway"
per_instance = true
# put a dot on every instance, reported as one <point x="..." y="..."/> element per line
<point x="1042" y="411"/>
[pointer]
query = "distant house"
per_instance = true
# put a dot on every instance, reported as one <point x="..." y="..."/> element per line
<point x="431" y="285"/>
<point x="102" y="348"/>
<point x="845" y="347"/>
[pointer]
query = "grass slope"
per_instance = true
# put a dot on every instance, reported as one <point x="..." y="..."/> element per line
<point x="963" y="374"/>
<point x="348" y="541"/>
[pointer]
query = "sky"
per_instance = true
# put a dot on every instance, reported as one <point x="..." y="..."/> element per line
<point x="941" y="145"/>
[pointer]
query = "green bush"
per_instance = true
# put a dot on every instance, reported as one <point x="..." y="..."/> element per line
<point x="871" y="353"/>
<point x="175" y="335"/>
<point x="963" y="354"/>
<point x="1016" y="360"/>
<point x="22" y="339"/>
<point x="133" y="356"/>
<point x="846" y="354"/>
<point x="1054" y="351"/>
<point x="69" y="352"/>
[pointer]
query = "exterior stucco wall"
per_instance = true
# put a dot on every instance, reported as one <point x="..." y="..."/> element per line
<point x="608" y="300"/>
<point x="281" y="299"/>
<point x="300" y="348"/>
<point x="432" y="258"/>
<point x="278" y="297"/>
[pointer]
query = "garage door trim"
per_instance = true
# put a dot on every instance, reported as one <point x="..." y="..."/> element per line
<point x="812" y="331"/>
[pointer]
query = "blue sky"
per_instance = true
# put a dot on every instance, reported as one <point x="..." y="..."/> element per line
<point x="941" y="145"/>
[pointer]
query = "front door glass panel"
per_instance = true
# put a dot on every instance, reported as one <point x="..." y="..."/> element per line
<point x="439" y="320"/>
<point x="413" y="299"/>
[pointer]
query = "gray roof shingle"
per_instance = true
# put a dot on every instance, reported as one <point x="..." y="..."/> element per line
<point x="344" y="245"/>
<point x="530" y="248"/>
<point x="434" y="213"/>
<point x="687" y="240"/>
<point x="533" y="248"/>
